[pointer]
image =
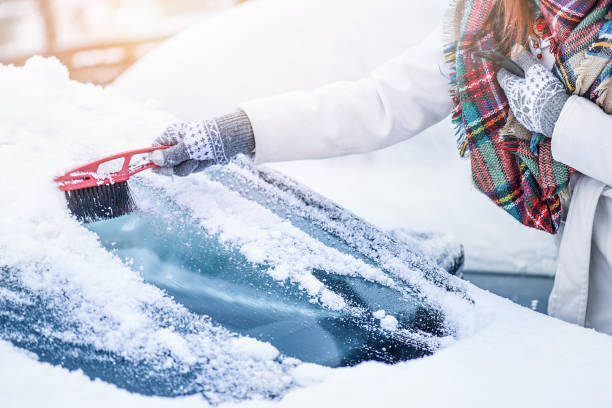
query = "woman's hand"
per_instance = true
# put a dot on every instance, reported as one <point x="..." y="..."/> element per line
<point x="537" y="99"/>
<point x="191" y="151"/>
<point x="200" y="144"/>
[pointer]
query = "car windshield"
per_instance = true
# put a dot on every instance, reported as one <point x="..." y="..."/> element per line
<point x="258" y="275"/>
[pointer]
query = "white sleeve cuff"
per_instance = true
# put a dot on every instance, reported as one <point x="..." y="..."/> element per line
<point x="582" y="139"/>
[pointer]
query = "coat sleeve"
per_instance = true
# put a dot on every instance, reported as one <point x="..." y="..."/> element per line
<point x="582" y="139"/>
<point x="397" y="101"/>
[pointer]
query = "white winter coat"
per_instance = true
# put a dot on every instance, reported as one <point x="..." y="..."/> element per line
<point x="410" y="93"/>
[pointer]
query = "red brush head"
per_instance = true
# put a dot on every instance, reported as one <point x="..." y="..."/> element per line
<point x="90" y="175"/>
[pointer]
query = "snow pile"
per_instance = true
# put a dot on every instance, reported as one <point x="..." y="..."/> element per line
<point x="58" y="282"/>
<point x="270" y="46"/>
<point x="29" y="383"/>
<point x="254" y="349"/>
<point x="521" y="358"/>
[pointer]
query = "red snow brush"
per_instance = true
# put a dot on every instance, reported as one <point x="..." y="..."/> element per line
<point x="94" y="192"/>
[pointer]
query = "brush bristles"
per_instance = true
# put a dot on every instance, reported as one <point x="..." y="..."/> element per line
<point x="101" y="202"/>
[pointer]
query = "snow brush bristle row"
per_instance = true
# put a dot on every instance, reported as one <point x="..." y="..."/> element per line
<point x="93" y="196"/>
<point x="103" y="202"/>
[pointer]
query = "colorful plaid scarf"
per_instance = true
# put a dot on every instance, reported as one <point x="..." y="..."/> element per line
<point x="524" y="180"/>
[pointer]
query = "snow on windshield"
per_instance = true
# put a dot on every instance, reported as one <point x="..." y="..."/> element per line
<point x="80" y="297"/>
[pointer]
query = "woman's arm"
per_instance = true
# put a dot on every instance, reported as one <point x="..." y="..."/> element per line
<point x="399" y="100"/>
<point x="582" y="139"/>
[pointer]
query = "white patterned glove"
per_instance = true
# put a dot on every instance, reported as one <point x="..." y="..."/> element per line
<point x="537" y="99"/>
<point x="200" y="144"/>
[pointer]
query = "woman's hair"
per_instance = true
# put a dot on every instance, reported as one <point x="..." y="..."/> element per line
<point x="517" y="17"/>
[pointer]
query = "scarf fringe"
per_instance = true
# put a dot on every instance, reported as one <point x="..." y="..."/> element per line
<point x="605" y="95"/>
<point x="449" y="23"/>
<point x="587" y="72"/>
<point x="449" y="38"/>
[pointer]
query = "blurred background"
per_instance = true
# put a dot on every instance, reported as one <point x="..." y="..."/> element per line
<point x="96" y="39"/>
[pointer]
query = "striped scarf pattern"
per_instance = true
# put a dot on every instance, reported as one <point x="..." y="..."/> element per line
<point x="521" y="175"/>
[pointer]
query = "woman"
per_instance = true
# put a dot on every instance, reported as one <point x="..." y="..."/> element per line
<point x="533" y="142"/>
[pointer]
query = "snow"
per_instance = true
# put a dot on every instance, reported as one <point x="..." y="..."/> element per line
<point x="27" y="383"/>
<point x="269" y="46"/>
<point x="387" y="322"/>
<point x="379" y="314"/>
<point x="505" y="355"/>
<point x="68" y="288"/>
<point x="520" y="359"/>
<point x="252" y="348"/>
<point x="517" y="365"/>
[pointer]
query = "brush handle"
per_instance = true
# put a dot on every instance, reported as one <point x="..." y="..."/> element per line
<point x="87" y="175"/>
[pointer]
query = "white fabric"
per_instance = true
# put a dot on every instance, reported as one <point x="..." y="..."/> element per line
<point x="582" y="293"/>
<point x="407" y="95"/>
<point x="399" y="100"/>
<point x="599" y="306"/>
<point x="568" y="300"/>
<point x="583" y="139"/>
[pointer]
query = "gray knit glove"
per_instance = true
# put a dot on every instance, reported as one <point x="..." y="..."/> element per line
<point x="200" y="144"/>
<point x="537" y="99"/>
